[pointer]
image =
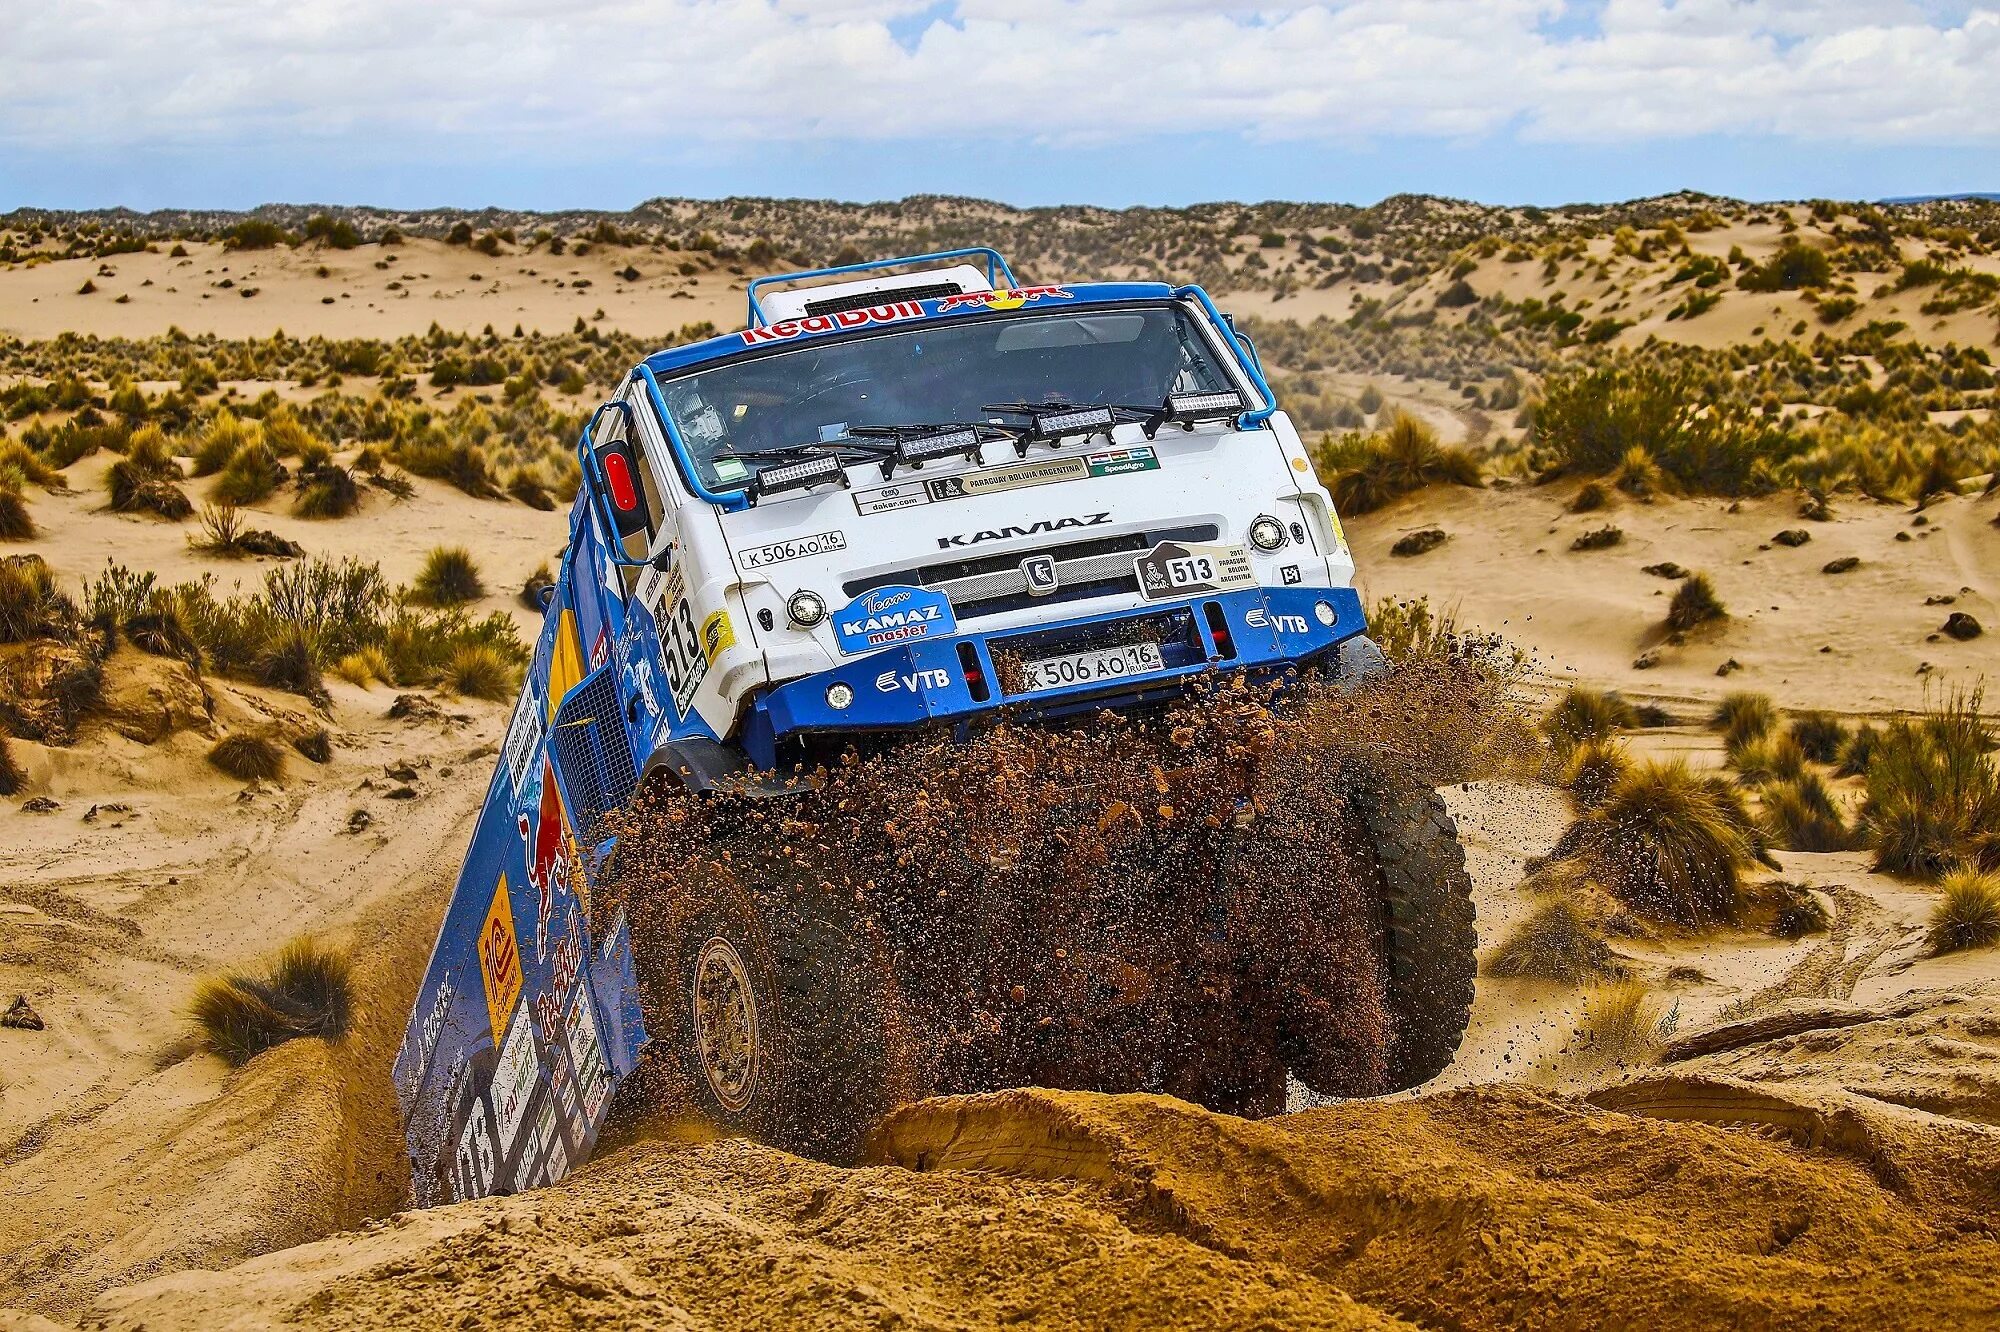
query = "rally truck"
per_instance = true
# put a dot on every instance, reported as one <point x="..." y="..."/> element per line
<point x="908" y="495"/>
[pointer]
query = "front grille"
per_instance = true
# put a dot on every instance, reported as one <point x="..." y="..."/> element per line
<point x="992" y="584"/>
<point x="868" y="300"/>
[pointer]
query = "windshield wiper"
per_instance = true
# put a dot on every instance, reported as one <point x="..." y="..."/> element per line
<point x="919" y="442"/>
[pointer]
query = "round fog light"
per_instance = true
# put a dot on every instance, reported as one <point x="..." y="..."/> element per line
<point x="1267" y="533"/>
<point x="839" y="696"/>
<point x="805" y="609"/>
<point x="1323" y="612"/>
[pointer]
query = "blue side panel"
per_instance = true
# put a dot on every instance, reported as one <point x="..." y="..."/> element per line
<point x="526" y="1018"/>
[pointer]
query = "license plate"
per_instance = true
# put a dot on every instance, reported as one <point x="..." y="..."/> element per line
<point x="1083" y="668"/>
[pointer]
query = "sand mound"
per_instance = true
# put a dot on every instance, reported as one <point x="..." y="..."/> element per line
<point x="1488" y="1207"/>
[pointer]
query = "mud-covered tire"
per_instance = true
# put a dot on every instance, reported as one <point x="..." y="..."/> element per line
<point x="823" y="1019"/>
<point x="1430" y="937"/>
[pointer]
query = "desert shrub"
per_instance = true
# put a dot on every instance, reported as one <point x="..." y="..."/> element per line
<point x="1591" y="497"/>
<point x="225" y="436"/>
<point x="251" y="474"/>
<point x="1583" y="713"/>
<point x="1595" y="422"/>
<point x="1601" y="538"/>
<point x="1800" y="815"/>
<point x="1933" y="794"/>
<point x="1410" y="630"/>
<point x="1795" y="266"/>
<point x="11" y="776"/>
<point x="537" y="582"/>
<point x="364" y="667"/>
<point x="1859" y="749"/>
<point x="16" y="523"/>
<point x="1368" y="471"/>
<point x="1820" y="734"/>
<point x="449" y="577"/>
<point x="116" y="595"/>
<point x="1967" y="914"/>
<point x="144" y="479"/>
<point x="480" y="670"/>
<point x="1665" y="842"/>
<point x="254" y="233"/>
<point x="1557" y="941"/>
<point x="160" y="628"/>
<point x="1592" y="769"/>
<point x="1695" y="603"/>
<point x="221" y="530"/>
<point x="1621" y="1022"/>
<point x="31" y="606"/>
<point x="289" y="658"/>
<point x="315" y="746"/>
<point x="1775" y="758"/>
<point x="1784" y="909"/>
<point x="33" y="468"/>
<point x="1743" y="716"/>
<point x="248" y="758"/>
<point x="307" y="992"/>
<point x="326" y="491"/>
<point x="462" y="464"/>
<point x="526" y="486"/>
<point x="343" y="601"/>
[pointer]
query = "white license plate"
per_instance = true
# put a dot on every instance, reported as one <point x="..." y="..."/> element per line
<point x="1082" y="668"/>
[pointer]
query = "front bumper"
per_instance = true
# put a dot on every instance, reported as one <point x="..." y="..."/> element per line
<point x="1256" y="630"/>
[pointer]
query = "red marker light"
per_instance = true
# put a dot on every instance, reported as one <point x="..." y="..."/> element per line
<point x="618" y="473"/>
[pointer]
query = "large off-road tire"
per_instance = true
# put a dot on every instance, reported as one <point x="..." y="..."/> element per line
<point x="1429" y="935"/>
<point x="1356" y="926"/>
<point x="790" y="1024"/>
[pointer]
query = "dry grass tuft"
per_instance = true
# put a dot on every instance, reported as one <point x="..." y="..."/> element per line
<point x="479" y="670"/>
<point x="1666" y="843"/>
<point x="308" y="992"/>
<point x="1621" y="1023"/>
<point x="1967" y="914"/>
<point x="1933" y="799"/>
<point x="1593" y="768"/>
<point x="1772" y="759"/>
<point x="1587" y="714"/>
<point x="1695" y="603"/>
<point x="449" y="578"/>
<point x="1743" y="717"/>
<point x="364" y="667"/>
<point x="1821" y="735"/>
<point x="11" y="776"/>
<point x="1800" y="815"/>
<point x="316" y="746"/>
<point x="248" y="758"/>
<point x="1558" y="941"/>
<point x="16" y="523"/>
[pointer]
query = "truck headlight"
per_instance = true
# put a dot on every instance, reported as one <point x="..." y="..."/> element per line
<point x="839" y="696"/>
<point x="805" y="609"/>
<point x="1267" y="533"/>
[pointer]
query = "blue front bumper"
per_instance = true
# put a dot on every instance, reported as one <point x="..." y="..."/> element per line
<point x="1258" y="630"/>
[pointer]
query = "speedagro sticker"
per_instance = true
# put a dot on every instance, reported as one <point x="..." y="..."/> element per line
<point x="891" y="615"/>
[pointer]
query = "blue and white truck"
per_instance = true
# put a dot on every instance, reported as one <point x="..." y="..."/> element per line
<point x="906" y="495"/>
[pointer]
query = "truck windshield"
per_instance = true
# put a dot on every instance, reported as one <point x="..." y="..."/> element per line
<point x="938" y="372"/>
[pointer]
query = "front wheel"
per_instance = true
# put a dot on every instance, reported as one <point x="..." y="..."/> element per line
<point x="789" y="1019"/>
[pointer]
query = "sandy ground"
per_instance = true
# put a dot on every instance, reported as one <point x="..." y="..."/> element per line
<point x="1845" y="1173"/>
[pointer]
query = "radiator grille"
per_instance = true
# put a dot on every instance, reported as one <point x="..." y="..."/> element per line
<point x="592" y="753"/>
<point x="991" y="584"/>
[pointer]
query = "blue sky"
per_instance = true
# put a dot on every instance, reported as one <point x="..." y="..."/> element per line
<point x="230" y="103"/>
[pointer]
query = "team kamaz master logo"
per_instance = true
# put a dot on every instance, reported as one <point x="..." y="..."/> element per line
<point x="890" y="615"/>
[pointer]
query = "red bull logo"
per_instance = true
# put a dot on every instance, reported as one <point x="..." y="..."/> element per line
<point x="787" y="329"/>
<point x="548" y="868"/>
<point x="1007" y="298"/>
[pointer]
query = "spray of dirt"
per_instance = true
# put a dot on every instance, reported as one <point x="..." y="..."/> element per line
<point x="1153" y="904"/>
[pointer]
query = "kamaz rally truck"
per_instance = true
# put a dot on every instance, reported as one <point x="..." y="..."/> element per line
<point x="838" y="525"/>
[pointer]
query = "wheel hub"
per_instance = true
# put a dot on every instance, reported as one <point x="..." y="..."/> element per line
<point x="725" y="1024"/>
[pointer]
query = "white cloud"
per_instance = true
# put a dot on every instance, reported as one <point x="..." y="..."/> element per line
<point x="531" y="79"/>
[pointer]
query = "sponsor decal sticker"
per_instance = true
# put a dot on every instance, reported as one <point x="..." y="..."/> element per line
<point x="1007" y="298"/>
<point x="548" y="1147"/>
<point x="1178" y="569"/>
<point x="1042" y="527"/>
<point x="500" y="959"/>
<point x="890" y="615"/>
<point x="587" y="1055"/>
<point x="787" y="329"/>
<point x="476" y="1158"/>
<point x="524" y="738"/>
<point x="718" y="635"/>
<point x="1123" y="462"/>
<point x="777" y="552"/>
<point x="889" y="682"/>
<point x="680" y="644"/>
<point x="1018" y="476"/>
<point x="433" y="1027"/>
<point x="1290" y="575"/>
<point x="1339" y="536"/>
<point x="543" y="844"/>
<point x="514" y="1079"/>
<point x="888" y="499"/>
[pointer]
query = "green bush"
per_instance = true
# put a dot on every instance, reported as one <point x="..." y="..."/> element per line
<point x="1597" y="421"/>
<point x="1821" y="735"/>
<point x="1800" y="815"/>
<point x="251" y="475"/>
<point x="1368" y="471"/>
<point x="1794" y="267"/>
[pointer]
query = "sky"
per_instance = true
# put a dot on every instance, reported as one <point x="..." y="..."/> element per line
<point x="604" y="103"/>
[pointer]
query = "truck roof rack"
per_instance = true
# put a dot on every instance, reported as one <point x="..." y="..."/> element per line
<point x="998" y="273"/>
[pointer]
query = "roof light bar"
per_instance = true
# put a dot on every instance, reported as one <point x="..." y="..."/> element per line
<point x="800" y="475"/>
<point x="1079" y="421"/>
<point x="920" y="449"/>
<point x="1194" y="406"/>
